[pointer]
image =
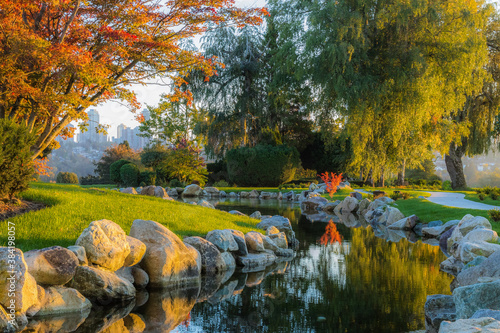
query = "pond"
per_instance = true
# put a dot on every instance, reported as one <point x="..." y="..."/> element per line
<point x="364" y="284"/>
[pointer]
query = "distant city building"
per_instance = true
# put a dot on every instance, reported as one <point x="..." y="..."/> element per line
<point x="131" y="135"/>
<point x="91" y="134"/>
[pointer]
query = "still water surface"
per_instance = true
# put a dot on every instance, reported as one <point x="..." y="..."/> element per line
<point x="364" y="284"/>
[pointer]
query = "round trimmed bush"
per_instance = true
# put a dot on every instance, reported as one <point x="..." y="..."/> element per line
<point x="262" y="165"/>
<point x="114" y="170"/>
<point x="67" y="178"/>
<point x="129" y="174"/>
<point x="148" y="178"/>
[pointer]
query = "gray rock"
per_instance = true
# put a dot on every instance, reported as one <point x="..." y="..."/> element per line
<point x="470" y="250"/>
<point x="102" y="286"/>
<point x="51" y="266"/>
<point x="212" y="192"/>
<point x="211" y="259"/>
<point x="281" y="223"/>
<point x="192" y="190"/>
<point x="137" y="251"/>
<point x="407" y="223"/>
<point x="105" y="244"/>
<point x="229" y="262"/>
<point x="443" y="239"/>
<point x="59" y="300"/>
<point x="488" y="268"/>
<point x="26" y="291"/>
<point x="79" y="251"/>
<point x="204" y="203"/>
<point x="279" y="239"/>
<point x="469" y="299"/>
<point x="149" y="191"/>
<point x="232" y="195"/>
<point x="356" y="195"/>
<point x="168" y="261"/>
<point x="255" y="242"/>
<point x="312" y="204"/>
<point x="485" y="325"/>
<point x="495" y="314"/>
<point x="256" y="215"/>
<point x="239" y="238"/>
<point x="481" y="235"/>
<point x="172" y="192"/>
<point x="451" y="265"/>
<point x="330" y="206"/>
<point x="7" y="324"/>
<point x="128" y="190"/>
<point x="244" y="194"/>
<point x="141" y="278"/>
<point x="254" y="194"/>
<point x="223" y="239"/>
<point x="477" y="261"/>
<point x="436" y="232"/>
<point x="437" y="309"/>
<point x="236" y="212"/>
<point x="256" y="260"/>
<point x="433" y="224"/>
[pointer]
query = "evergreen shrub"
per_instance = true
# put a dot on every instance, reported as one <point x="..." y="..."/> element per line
<point x="129" y="174"/>
<point x="67" y="178"/>
<point x="114" y="170"/>
<point x="262" y="165"/>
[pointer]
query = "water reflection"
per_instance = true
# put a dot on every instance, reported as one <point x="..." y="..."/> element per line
<point x="364" y="284"/>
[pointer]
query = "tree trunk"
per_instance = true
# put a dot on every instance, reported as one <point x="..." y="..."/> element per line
<point x="401" y="174"/>
<point x="455" y="166"/>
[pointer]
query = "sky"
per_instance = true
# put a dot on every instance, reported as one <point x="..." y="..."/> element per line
<point x="113" y="113"/>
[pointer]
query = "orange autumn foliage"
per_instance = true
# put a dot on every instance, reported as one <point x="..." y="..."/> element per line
<point x="331" y="235"/>
<point x="59" y="57"/>
<point x="331" y="182"/>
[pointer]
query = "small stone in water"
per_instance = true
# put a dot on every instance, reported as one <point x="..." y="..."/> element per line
<point x="320" y="319"/>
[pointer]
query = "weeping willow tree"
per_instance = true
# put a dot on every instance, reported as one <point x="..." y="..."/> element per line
<point x="480" y="114"/>
<point x="397" y="72"/>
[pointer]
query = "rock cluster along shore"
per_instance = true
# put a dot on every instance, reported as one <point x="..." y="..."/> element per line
<point x="107" y="266"/>
<point x="472" y="248"/>
<point x="195" y="191"/>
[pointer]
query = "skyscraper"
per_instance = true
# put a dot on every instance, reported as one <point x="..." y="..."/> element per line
<point x="91" y="134"/>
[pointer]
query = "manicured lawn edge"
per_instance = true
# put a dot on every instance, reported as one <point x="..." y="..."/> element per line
<point x="71" y="208"/>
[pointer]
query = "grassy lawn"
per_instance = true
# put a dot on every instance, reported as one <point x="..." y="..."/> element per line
<point x="473" y="196"/>
<point x="72" y="208"/>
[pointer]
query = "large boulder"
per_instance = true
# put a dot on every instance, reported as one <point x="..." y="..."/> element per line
<point x="256" y="215"/>
<point x="485" y="325"/>
<point x="436" y="232"/>
<point x="443" y="239"/>
<point x="15" y="279"/>
<point x="7" y="322"/>
<point x="239" y="238"/>
<point x="212" y="191"/>
<point x="489" y="268"/>
<point x="105" y="244"/>
<point x="471" y="250"/>
<point x="167" y="261"/>
<point x="479" y="235"/>
<point x="469" y="299"/>
<point x="223" y="239"/>
<point x="254" y="242"/>
<point x="279" y="239"/>
<point x="148" y="190"/>
<point x="495" y="314"/>
<point x="451" y="266"/>
<point x="79" y="252"/>
<point x="390" y="216"/>
<point x="172" y="192"/>
<point x="329" y="207"/>
<point x="469" y="223"/>
<point x="137" y="251"/>
<point x="211" y="259"/>
<point x="229" y="262"/>
<point x="407" y="223"/>
<point x="254" y="194"/>
<point x="349" y="204"/>
<point x="102" y="286"/>
<point x="51" y="266"/>
<point x="363" y="206"/>
<point x="312" y="204"/>
<point x="128" y="190"/>
<point x="256" y="260"/>
<point x="60" y="300"/>
<point x="437" y="309"/>
<point x="380" y="202"/>
<point x="281" y="223"/>
<point x="160" y="192"/>
<point x="192" y="190"/>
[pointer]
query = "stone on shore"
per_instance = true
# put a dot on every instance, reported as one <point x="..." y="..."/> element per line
<point x="349" y="204"/>
<point x="192" y="190"/>
<point x="211" y="259"/>
<point x="239" y="238"/>
<point x="437" y="309"/>
<point x="80" y="253"/>
<point x="312" y="204"/>
<point x="256" y="260"/>
<point x="254" y="241"/>
<point x="167" y="261"/>
<point x="51" y="266"/>
<point x="102" y="286"/>
<point x="489" y="268"/>
<point x="26" y="291"/>
<point x="223" y="240"/>
<point x="59" y="300"/>
<point x="469" y="299"/>
<point x="407" y="223"/>
<point x="281" y="223"/>
<point x="105" y="244"/>
<point x="486" y="325"/>
<point x="128" y="190"/>
<point x="137" y="251"/>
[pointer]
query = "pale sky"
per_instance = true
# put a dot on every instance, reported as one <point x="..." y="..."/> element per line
<point x="114" y="114"/>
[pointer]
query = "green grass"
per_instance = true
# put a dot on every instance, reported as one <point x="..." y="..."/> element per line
<point x="473" y="196"/>
<point x="72" y="208"/>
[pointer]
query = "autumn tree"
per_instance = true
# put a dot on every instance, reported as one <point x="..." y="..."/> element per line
<point x="60" y="57"/>
<point x="121" y="151"/>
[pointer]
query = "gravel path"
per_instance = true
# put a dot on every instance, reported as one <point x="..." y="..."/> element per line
<point x="452" y="199"/>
